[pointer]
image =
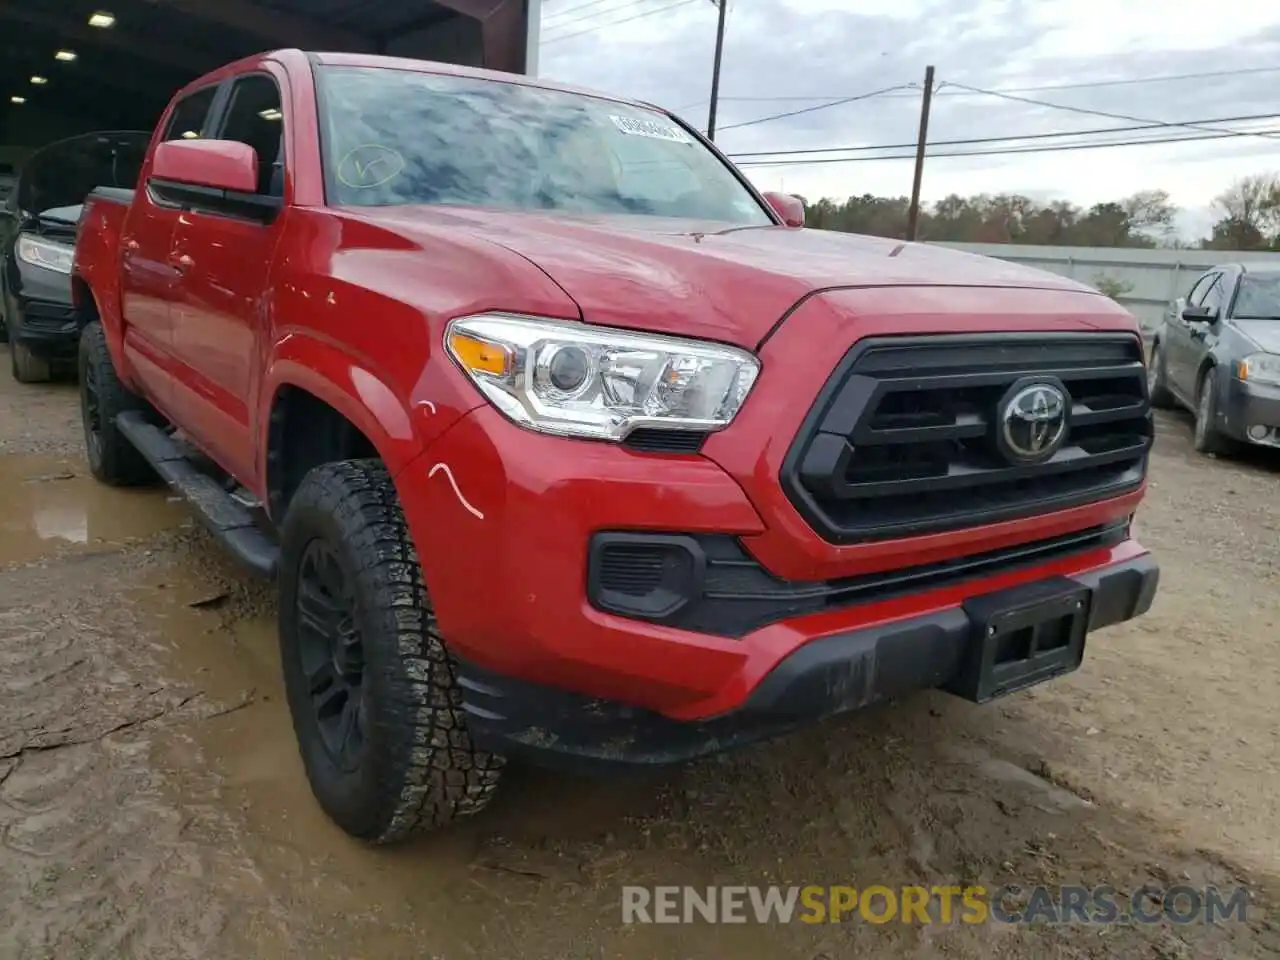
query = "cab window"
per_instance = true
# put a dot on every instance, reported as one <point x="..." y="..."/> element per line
<point x="190" y="115"/>
<point x="254" y="116"/>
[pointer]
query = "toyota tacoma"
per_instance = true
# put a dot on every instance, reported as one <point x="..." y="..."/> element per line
<point x="564" y="442"/>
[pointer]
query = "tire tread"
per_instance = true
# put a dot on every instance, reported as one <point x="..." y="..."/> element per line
<point x="433" y="774"/>
<point x="28" y="367"/>
<point x="1162" y="397"/>
<point x="121" y="464"/>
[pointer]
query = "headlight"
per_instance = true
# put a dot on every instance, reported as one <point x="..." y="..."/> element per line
<point x="45" y="253"/>
<point x="1260" y="368"/>
<point x="577" y="380"/>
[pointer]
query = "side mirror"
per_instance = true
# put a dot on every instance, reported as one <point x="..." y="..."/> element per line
<point x="219" y="164"/>
<point x="789" y="208"/>
<point x="1200" y="314"/>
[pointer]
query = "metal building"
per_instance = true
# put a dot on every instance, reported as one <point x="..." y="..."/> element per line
<point x="79" y="65"/>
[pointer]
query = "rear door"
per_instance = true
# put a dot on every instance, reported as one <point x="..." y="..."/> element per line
<point x="149" y="280"/>
<point x="1178" y="343"/>
<point x="225" y="254"/>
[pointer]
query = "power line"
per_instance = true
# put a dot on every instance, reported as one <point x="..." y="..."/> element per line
<point x="1130" y="81"/>
<point x="1083" y="85"/>
<point x="581" y="6"/>
<point x="607" y="11"/>
<point x="822" y="106"/>
<point x="615" y="23"/>
<point x="1005" y="139"/>
<point x="1052" y="148"/>
<point x="1086" y="110"/>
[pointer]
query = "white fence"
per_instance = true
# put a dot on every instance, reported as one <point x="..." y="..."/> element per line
<point x="1150" y="278"/>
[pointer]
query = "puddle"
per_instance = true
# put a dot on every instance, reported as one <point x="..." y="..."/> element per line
<point x="540" y="874"/>
<point x="53" y="503"/>
<point x="533" y="847"/>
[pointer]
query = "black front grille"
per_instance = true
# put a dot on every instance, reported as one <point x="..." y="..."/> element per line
<point x="902" y="440"/>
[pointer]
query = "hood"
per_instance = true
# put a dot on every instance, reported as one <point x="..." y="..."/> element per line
<point x="62" y="174"/>
<point x="62" y="216"/>
<point x="56" y="223"/>
<point x="685" y="277"/>
<point x="1265" y="333"/>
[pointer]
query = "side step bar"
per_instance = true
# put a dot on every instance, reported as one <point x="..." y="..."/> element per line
<point x="227" y="519"/>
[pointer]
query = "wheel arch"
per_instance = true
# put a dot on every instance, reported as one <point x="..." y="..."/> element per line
<point x="91" y="304"/>
<point x="310" y="423"/>
<point x="1210" y="362"/>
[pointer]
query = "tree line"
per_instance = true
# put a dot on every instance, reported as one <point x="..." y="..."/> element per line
<point x="1248" y="218"/>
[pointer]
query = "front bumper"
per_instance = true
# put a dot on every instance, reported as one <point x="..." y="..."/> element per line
<point x="48" y="327"/>
<point x="503" y="519"/>
<point x="39" y="311"/>
<point x="1253" y="412"/>
<point x="841" y="672"/>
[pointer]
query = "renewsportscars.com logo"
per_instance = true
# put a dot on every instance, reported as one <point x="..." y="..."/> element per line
<point x="973" y="904"/>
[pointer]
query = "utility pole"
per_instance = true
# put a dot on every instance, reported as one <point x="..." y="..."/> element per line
<point x="913" y="213"/>
<point x="715" y="70"/>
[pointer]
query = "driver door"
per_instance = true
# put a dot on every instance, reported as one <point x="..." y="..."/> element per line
<point x="1202" y="336"/>
<point x="220" y="319"/>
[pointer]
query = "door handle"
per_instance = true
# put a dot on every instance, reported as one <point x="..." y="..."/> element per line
<point x="131" y="246"/>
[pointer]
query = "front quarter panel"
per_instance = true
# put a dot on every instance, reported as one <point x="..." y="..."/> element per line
<point x="358" y="318"/>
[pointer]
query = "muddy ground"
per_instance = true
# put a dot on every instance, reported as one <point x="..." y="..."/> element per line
<point x="152" y="803"/>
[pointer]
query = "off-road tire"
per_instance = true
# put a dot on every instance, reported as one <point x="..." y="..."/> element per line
<point x="112" y="459"/>
<point x="416" y="768"/>
<point x="1207" y="438"/>
<point x="28" y="367"/>
<point x="1157" y="386"/>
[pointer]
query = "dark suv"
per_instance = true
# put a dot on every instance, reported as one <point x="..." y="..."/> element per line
<point x="1217" y="353"/>
<point x="37" y="237"/>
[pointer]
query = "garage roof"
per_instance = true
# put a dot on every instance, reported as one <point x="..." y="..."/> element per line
<point x="122" y="75"/>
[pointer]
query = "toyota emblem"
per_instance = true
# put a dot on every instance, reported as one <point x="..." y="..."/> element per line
<point x="1033" y="422"/>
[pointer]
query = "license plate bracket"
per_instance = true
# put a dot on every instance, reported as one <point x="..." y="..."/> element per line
<point x="1023" y="636"/>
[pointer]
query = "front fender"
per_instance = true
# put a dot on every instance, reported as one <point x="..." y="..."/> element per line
<point x="399" y="425"/>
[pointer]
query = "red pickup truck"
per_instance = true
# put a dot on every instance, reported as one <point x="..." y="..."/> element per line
<point x="564" y="442"/>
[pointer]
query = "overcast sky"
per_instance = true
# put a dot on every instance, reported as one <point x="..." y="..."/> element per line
<point x="780" y="51"/>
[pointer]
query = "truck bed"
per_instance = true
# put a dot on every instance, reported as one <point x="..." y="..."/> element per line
<point x="121" y="195"/>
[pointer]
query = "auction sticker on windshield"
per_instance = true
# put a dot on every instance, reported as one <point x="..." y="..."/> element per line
<point x="654" y="129"/>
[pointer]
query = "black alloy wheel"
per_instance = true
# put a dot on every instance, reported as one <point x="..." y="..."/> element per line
<point x="331" y="654"/>
<point x="91" y="412"/>
<point x="373" y="693"/>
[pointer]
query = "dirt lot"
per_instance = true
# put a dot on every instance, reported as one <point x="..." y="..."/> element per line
<point x="152" y="803"/>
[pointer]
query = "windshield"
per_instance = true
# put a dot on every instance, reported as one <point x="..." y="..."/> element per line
<point x="402" y="137"/>
<point x="1258" y="297"/>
